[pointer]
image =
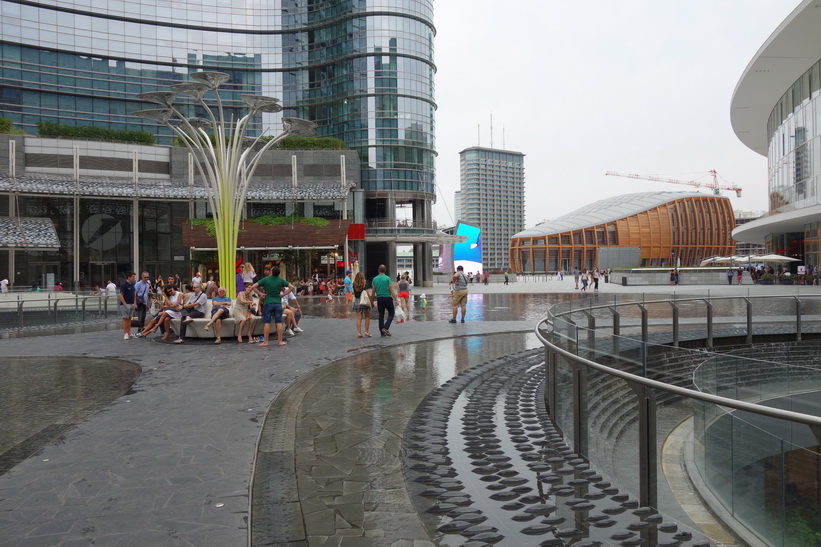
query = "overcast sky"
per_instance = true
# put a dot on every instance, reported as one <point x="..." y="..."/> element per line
<point x="636" y="86"/>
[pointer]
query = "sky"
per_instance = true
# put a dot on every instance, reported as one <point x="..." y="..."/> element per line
<point x="583" y="87"/>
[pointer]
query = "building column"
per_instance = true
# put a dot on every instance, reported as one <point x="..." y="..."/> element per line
<point x="390" y="211"/>
<point x="76" y="244"/>
<point x="12" y="214"/>
<point x="391" y="259"/>
<point x="135" y="229"/>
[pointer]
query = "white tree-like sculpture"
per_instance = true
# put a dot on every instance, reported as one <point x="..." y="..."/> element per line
<point x="226" y="163"/>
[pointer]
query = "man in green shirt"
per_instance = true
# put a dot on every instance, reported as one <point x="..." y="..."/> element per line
<point x="273" y="288"/>
<point x="382" y="293"/>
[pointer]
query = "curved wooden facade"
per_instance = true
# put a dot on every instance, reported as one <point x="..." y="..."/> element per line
<point x="690" y="229"/>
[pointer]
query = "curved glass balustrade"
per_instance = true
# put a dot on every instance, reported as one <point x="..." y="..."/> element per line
<point x="625" y="373"/>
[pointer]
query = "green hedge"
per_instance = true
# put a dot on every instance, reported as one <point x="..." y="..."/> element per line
<point x="294" y="143"/>
<point x="54" y="129"/>
<point x="266" y="220"/>
<point x="7" y="128"/>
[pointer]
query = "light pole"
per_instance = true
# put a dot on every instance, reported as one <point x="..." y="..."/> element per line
<point x="227" y="163"/>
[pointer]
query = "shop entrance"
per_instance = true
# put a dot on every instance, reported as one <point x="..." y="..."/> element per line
<point x="44" y="274"/>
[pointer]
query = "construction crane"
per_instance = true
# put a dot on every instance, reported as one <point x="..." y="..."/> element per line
<point x="714" y="184"/>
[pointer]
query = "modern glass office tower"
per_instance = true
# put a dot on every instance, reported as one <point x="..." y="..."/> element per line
<point x="362" y="69"/>
<point x="492" y="197"/>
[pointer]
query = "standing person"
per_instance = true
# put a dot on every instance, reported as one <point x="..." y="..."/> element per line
<point x="730" y="276"/>
<point x="404" y="294"/>
<point x="576" y="275"/>
<point x="584" y="280"/>
<point x="595" y="280"/>
<point x="143" y="288"/>
<point x="127" y="299"/>
<point x="362" y="309"/>
<point x="193" y="308"/>
<point x="507" y="279"/>
<point x="197" y="278"/>
<point x="460" y="293"/>
<point x="240" y="283"/>
<point x="248" y="273"/>
<point x="740" y="273"/>
<point x="4" y="286"/>
<point x="111" y="288"/>
<point x="272" y="285"/>
<point x="348" y="284"/>
<point x="382" y="293"/>
<point x="486" y="277"/>
<point x="177" y="282"/>
<point x="211" y="288"/>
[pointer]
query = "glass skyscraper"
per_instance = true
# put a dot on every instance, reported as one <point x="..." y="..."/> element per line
<point x="362" y="69"/>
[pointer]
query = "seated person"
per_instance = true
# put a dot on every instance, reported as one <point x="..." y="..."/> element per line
<point x="244" y="312"/>
<point x="220" y="309"/>
<point x="193" y="308"/>
<point x="171" y="306"/>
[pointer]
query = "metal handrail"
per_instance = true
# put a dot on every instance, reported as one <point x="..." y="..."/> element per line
<point x="642" y="387"/>
<point x="814" y="422"/>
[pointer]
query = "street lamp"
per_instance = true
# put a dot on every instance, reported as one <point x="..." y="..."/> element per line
<point x="226" y="163"/>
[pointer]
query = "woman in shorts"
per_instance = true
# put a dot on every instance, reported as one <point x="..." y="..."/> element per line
<point x="220" y="309"/>
<point x="362" y="310"/>
<point x="404" y="294"/>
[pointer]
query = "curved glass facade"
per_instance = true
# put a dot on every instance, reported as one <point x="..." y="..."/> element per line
<point x="794" y="154"/>
<point x="362" y="69"/>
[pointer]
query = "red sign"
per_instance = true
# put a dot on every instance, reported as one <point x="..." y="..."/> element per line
<point x="356" y="232"/>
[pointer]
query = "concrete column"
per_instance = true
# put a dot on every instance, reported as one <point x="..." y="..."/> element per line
<point x="390" y="210"/>
<point x="76" y="244"/>
<point x="308" y="207"/>
<point x="391" y="260"/>
<point x="135" y="230"/>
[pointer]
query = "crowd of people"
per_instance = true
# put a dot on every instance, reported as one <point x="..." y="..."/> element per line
<point x="154" y="304"/>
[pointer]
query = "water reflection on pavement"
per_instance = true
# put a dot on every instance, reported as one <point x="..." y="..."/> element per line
<point x="480" y="307"/>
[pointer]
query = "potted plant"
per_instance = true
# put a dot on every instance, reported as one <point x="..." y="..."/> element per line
<point x="766" y="279"/>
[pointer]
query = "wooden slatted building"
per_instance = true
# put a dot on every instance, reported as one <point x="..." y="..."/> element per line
<point x="660" y="228"/>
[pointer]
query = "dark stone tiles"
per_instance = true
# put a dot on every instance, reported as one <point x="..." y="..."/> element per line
<point x="152" y="466"/>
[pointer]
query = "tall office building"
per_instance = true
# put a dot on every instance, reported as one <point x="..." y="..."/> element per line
<point x="363" y="71"/>
<point x="493" y="198"/>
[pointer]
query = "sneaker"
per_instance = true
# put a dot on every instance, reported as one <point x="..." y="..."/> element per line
<point x="188" y="320"/>
<point x="297" y="329"/>
<point x="387" y="332"/>
<point x="452" y="321"/>
<point x="179" y="341"/>
<point x="139" y="335"/>
<point x="463" y="320"/>
<point x="289" y="332"/>
<point x="126" y="336"/>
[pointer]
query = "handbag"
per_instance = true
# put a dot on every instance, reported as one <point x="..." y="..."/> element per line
<point x="364" y="299"/>
<point x="400" y="315"/>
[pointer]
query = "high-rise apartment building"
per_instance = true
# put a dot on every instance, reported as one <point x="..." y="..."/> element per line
<point x="493" y="198"/>
<point x="362" y="71"/>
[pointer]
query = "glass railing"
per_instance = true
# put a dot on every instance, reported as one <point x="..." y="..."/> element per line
<point x="624" y="374"/>
<point x="27" y="311"/>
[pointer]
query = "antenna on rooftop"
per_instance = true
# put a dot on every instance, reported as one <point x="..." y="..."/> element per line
<point x="491" y="129"/>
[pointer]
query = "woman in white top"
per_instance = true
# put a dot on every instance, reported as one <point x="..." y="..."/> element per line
<point x="248" y="273"/>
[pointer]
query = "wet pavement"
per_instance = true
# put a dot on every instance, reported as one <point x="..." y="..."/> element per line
<point x="172" y="461"/>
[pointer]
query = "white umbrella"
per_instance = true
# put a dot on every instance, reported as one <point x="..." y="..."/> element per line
<point x="774" y="258"/>
<point x="716" y="260"/>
